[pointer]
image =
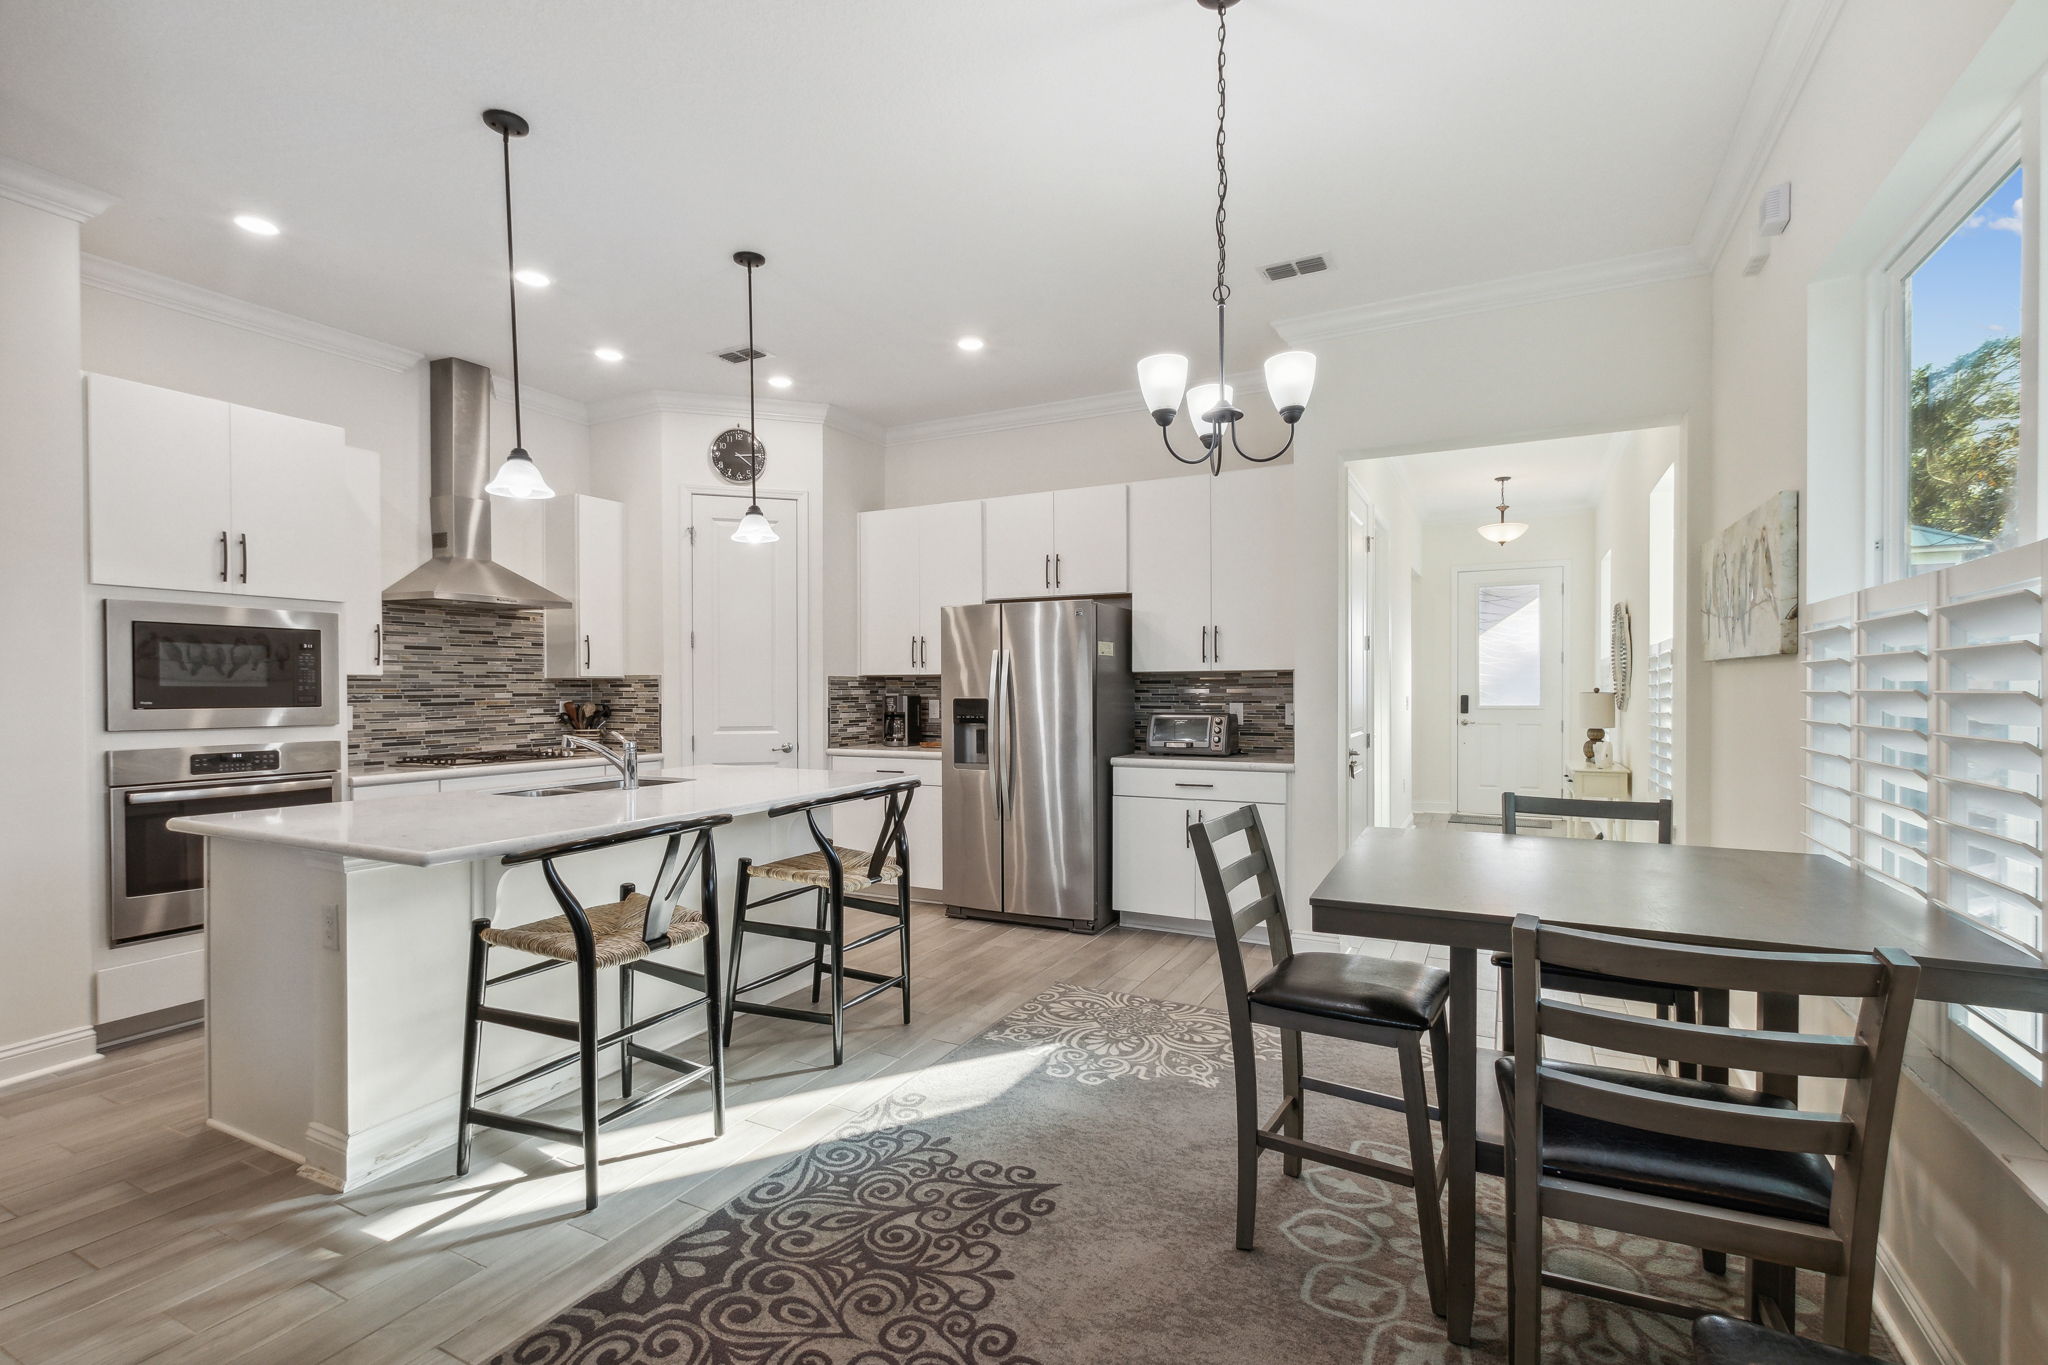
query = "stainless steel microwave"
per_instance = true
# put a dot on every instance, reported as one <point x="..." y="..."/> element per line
<point x="184" y="666"/>
<point x="1191" y="732"/>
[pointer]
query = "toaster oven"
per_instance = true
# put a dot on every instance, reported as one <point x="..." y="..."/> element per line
<point x="1213" y="734"/>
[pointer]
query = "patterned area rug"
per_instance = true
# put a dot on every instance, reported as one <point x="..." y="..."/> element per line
<point x="1059" y="1192"/>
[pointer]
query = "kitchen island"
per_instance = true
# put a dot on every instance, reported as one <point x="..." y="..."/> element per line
<point x="338" y="939"/>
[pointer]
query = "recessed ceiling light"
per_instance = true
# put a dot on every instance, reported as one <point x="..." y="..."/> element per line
<point x="779" y="381"/>
<point x="532" y="277"/>
<point x="970" y="343"/>
<point x="262" y="227"/>
<point x="611" y="355"/>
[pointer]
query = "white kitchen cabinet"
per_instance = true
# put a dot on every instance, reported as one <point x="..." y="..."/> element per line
<point x="586" y="561"/>
<point x="858" y="824"/>
<point x="192" y="493"/>
<point x="1072" y="543"/>
<point x="1154" y="858"/>
<point x="362" y="606"/>
<point x="914" y="562"/>
<point x="1206" y="556"/>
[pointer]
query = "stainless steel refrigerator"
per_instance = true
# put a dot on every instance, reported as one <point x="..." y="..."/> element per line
<point x="1035" y="699"/>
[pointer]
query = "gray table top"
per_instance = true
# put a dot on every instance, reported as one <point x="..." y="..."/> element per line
<point x="1464" y="888"/>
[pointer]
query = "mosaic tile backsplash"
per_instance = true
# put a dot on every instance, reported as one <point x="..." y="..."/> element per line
<point x="461" y="677"/>
<point x="854" y="707"/>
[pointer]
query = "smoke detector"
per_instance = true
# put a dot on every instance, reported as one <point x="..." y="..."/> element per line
<point x="1307" y="265"/>
<point x="740" y="355"/>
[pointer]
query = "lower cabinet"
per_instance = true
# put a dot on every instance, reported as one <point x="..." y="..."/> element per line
<point x="1153" y="811"/>
<point x="858" y="824"/>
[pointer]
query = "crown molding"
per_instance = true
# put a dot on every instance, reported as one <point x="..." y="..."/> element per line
<point x="702" y="405"/>
<point x="1513" y="291"/>
<point x="1124" y="403"/>
<point x="131" y="282"/>
<point x="39" y="189"/>
<point x="1787" y="63"/>
<point x="853" y="424"/>
<point x="539" y="400"/>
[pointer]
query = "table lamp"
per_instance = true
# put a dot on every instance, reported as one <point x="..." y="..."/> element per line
<point x="1596" y="714"/>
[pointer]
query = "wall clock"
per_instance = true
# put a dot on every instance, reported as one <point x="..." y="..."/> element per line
<point x="738" y="456"/>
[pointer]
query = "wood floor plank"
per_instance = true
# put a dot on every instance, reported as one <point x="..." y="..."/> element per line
<point x="255" y="1325"/>
<point x="41" y="1277"/>
<point x="123" y="1343"/>
<point x="391" y="1297"/>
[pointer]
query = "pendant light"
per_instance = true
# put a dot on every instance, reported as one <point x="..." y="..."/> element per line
<point x="518" y="476"/>
<point x="1162" y="378"/>
<point x="1502" y="531"/>
<point x="754" y="527"/>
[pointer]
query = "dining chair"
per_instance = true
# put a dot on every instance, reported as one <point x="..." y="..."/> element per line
<point x="1337" y="995"/>
<point x="1743" y="1172"/>
<point x="1718" y="1340"/>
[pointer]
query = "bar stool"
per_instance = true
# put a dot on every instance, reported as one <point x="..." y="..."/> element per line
<point x="619" y="934"/>
<point x="831" y="873"/>
<point x="1338" y="995"/>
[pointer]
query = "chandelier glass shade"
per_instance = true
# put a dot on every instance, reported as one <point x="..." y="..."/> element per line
<point x="1502" y="531"/>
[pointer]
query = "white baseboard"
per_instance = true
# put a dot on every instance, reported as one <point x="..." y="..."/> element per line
<point x="1432" y="808"/>
<point x="1913" y="1330"/>
<point x="51" y="1052"/>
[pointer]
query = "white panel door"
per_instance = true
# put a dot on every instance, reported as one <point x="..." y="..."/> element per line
<point x="157" y="474"/>
<point x="1358" y="689"/>
<point x="948" y="570"/>
<point x="1017" y="545"/>
<point x="362" y="607"/>
<point x="1154" y="866"/>
<point x="1170" y="616"/>
<point x="1251" y="523"/>
<point x="1509" y="703"/>
<point x="286" y="480"/>
<point x="889" y="590"/>
<point x="600" y="593"/>
<point x="1091" y="540"/>
<point x="745" y="668"/>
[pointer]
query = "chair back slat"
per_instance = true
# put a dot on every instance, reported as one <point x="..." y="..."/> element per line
<point x="1781" y="1054"/>
<point x="1742" y="1125"/>
<point x="1230" y="924"/>
<point x="1658" y="813"/>
<point x="1244" y="920"/>
<point x="1728" y="969"/>
<point x="1243" y="870"/>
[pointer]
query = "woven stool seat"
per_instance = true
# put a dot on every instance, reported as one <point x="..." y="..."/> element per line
<point x="617" y="929"/>
<point x="811" y="869"/>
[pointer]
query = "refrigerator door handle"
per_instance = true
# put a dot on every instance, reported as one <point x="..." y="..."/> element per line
<point x="995" y="731"/>
<point x="1009" y="775"/>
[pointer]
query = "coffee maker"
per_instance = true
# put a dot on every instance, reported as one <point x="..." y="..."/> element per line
<point x="896" y="719"/>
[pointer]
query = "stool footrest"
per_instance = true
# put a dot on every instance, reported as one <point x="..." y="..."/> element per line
<point x="772" y="978"/>
<point x="678" y="976"/>
<point x="801" y="933"/>
<point x="1331" y="1156"/>
<point x="875" y="907"/>
<point x="532" y="1023"/>
<point x="783" y="1011"/>
<point x="861" y="974"/>
<point x="1358" y="1096"/>
<point x="512" y="1123"/>
<point x="871" y="938"/>
<point x="891" y="984"/>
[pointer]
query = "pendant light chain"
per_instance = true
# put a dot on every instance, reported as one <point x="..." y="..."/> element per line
<point x="512" y="293"/>
<point x="753" y="437"/>
<point x="1222" y="291"/>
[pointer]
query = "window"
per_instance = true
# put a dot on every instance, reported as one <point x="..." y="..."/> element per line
<point x="1959" y="485"/>
<point x="1511" y="645"/>
<point x="1663" y="617"/>
<point x="1603" y="634"/>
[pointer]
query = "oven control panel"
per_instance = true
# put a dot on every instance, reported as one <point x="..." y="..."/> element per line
<point x="235" y="761"/>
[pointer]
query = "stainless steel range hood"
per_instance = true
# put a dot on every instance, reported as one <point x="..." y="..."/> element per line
<point x="458" y="509"/>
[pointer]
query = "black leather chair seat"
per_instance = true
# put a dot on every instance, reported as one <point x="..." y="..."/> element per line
<point x="1795" y="1185"/>
<point x="1360" y="990"/>
<point x="1599" y="983"/>
<point x="1729" y="1341"/>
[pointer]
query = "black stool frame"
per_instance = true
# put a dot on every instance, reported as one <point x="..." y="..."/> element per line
<point x="667" y="884"/>
<point x="829" y="931"/>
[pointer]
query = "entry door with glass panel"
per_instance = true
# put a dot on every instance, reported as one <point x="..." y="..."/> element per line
<point x="1509" y="704"/>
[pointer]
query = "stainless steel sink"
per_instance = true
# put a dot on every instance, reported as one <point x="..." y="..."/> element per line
<point x="609" y="784"/>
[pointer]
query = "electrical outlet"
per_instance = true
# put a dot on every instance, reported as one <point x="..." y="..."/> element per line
<point x="1236" y="709"/>
<point x="1287" y="714"/>
<point x="330" y="925"/>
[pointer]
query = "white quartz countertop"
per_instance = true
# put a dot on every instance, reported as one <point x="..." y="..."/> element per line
<point x="430" y="772"/>
<point x="1237" y="763"/>
<point x="887" y="751"/>
<point x="452" y="827"/>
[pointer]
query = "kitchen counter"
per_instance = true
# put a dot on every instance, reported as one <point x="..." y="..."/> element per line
<point x="887" y="751"/>
<point x="338" y="939"/>
<point x="1241" y="763"/>
<point x="388" y="774"/>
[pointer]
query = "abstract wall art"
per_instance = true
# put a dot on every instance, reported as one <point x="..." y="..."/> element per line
<point x="1750" y="583"/>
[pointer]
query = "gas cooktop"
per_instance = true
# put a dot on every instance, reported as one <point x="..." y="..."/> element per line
<point x="469" y="757"/>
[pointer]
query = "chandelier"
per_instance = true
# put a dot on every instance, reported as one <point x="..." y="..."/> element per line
<point x="1502" y="531"/>
<point x="1162" y="379"/>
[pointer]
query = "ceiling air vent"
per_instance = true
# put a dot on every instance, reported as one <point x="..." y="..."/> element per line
<point x="1307" y="265"/>
<point x="740" y="355"/>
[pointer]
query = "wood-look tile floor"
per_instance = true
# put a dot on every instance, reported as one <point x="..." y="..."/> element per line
<point x="130" y="1232"/>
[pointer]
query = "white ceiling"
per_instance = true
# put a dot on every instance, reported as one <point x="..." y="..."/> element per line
<point x="1034" y="171"/>
<point x="1545" y="477"/>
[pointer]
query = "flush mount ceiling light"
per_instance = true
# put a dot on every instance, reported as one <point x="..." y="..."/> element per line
<point x="519" y="476"/>
<point x="779" y="381"/>
<point x="610" y="355"/>
<point x="754" y="528"/>
<point x="1161" y="378"/>
<point x="261" y="227"/>
<point x="532" y="279"/>
<point x="1502" y="531"/>
<point x="970" y="343"/>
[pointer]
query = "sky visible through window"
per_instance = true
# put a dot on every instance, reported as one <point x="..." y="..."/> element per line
<point x="1968" y="291"/>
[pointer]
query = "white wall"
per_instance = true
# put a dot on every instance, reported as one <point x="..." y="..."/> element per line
<point x="1621" y="527"/>
<point x="1397" y="558"/>
<point x="1552" y="538"/>
<point x="853" y="478"/>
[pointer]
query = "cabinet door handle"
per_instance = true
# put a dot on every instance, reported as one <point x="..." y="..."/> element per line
<point x="1205" y="644"/>
<point x="924" y="652"/>
<point x="223" y="556"/>
<point x="1216" y="641"/>
<point x="377" y="645"/>
<point x="1048" y="571"/>
<point x="1187" y="830"/>
<point x="245" y="556"/>
<point x="1058" y="574"/>
<point x="586" y="651"/>
<point x="1204" y="785"/>
<point x="892" y="772"/>
<point x="913" y="651"/>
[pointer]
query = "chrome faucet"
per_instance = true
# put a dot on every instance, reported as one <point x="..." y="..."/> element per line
<point x="626" y="760"/>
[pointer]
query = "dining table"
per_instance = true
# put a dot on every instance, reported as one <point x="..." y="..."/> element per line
<point x="1462" y="889"/>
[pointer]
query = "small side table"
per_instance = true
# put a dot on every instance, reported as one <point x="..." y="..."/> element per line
<point x="1596" y="784"/>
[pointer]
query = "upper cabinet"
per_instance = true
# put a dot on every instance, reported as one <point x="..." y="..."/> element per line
<point x="362" y="606"/>
<point x="914" y="561"/>
<point x="195" y="494"/>
<point x="1072" y="543"/>
<point x="1206" y="577"/>
<point x="586" y="563"/>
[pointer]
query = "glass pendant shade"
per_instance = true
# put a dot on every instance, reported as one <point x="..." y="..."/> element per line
<point x="1289" y="377"/>
<point x="1501" y="532"/>
<point x="519" y="477"/>
<point x="755" y="528"/>
<point x="1204" y="399"/>
<point x="1162" y="379"/>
